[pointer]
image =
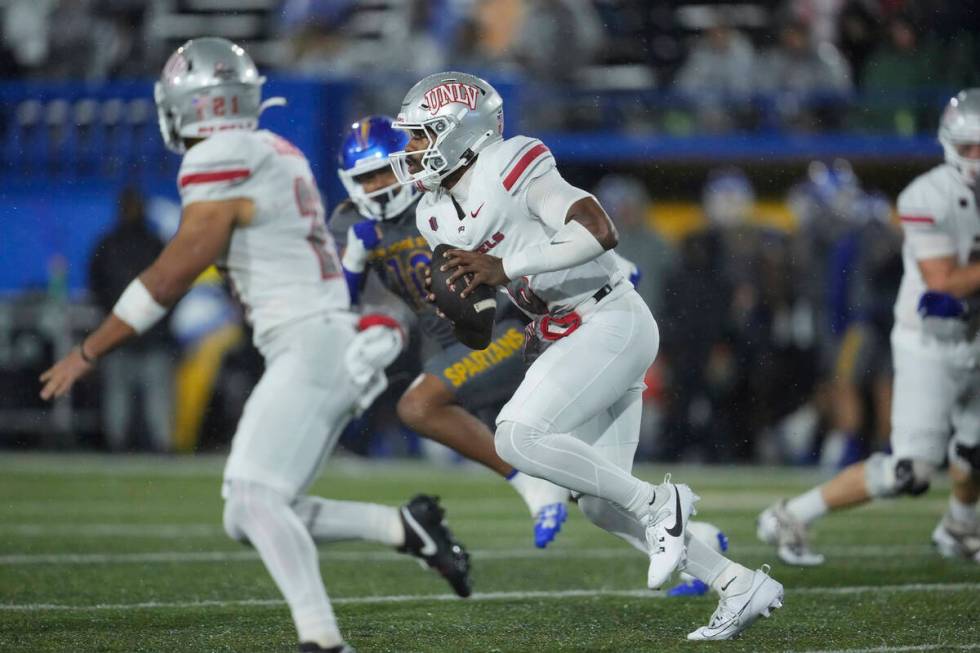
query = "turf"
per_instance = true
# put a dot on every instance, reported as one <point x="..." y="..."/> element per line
<point x="127" y="554"/>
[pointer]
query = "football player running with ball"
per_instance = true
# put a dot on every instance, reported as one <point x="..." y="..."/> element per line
<point x="251" y="206"/>
<point x="574" y="420"/>
<point x="936" y="352"/>
<point x="376" y="228"/>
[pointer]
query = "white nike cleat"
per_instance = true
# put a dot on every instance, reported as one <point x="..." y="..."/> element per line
<point x="736" y="613"/>
<point x="778" y="527"/>
<point x="957" y="539"/>
<point x="665" y="532"/>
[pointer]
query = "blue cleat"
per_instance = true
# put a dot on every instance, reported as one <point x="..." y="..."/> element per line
<point x="548" y="523"/>
<point x="694" y="587"/>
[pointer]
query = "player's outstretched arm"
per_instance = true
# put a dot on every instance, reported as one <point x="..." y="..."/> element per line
<point x="204" y="233"/>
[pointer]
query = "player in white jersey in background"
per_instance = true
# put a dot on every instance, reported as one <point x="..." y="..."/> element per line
<point x="936" y="352"/>
<point x="575" y="418"/>
<point x="250" y="204"/>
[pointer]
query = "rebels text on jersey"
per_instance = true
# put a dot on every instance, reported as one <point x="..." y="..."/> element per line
<point x="939" y="218"/>
<point x="487" y="211"/>
<point x="282" y="265"/>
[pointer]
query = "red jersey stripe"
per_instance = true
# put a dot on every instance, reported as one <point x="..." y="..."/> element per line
<point x="916" y="218"/>
<point x="218" y="175"/>
<point x="526" y="160"/>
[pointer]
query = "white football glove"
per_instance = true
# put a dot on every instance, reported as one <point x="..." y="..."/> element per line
<point x="944" y="317"/>
<point x="362" y="237"/>
<point x="377" y="343"/>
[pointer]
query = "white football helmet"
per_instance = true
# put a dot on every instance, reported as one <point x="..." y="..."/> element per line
<point x="960" y="125"/>
<point x="461" y="114"/>
<point x="208" y="85"/>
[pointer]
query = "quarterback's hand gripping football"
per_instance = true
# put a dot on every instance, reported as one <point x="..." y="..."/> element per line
<point x="60" y="377"/>
<point x="487" y="270"/>
<point x="430" y="296"/>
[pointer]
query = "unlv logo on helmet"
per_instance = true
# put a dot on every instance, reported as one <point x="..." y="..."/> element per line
<point x="176" y="66"/>
<point x="450" y="93"/>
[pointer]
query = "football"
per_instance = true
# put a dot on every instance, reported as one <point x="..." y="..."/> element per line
<point x="472" y="316"/>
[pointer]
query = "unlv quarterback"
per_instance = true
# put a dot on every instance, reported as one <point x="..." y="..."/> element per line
<point x="936" y="351"/>
<point x="574" y="420"/>
<point x="250" y="205"/>
<point x="377" y="229"/>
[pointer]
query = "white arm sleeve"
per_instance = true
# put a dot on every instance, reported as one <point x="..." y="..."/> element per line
<point x="571" y="246"/>
<point x="549" y="197"/>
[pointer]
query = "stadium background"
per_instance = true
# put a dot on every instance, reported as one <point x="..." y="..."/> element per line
<point x="648" y="103"/>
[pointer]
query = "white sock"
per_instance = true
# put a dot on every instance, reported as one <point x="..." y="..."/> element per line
<point x="537" y="492"/>
<point x="703" y="562"/>
<point x="733" y="580"/>
<point x="963" y="512"/>
<point x="807" y="507"/>
<point x="328" y="520"/>
<point x="265" y="518"/>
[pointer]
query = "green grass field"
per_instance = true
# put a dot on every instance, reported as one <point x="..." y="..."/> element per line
<point x="127" y="554"/>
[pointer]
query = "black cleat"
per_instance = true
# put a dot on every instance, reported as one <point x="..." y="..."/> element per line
<point x="427" y="537"/>
<point x="313" y="647"/>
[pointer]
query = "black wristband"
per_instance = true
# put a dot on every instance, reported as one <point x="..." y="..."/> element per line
<point x="81" y="352"/>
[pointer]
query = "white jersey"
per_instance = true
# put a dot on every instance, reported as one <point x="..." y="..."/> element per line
<point x="487" y="211"/>
<point x="283" y="265"/>
<point x="939" y="218"/>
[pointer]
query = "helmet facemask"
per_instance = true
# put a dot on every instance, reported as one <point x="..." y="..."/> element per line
<point x="434" y="159"/>
<point x="169" y="120"/>
<point x="960" y="125"/>
<point x="381" y="204"/>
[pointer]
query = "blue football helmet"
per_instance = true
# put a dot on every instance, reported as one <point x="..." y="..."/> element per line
<point x="365" y="149"/>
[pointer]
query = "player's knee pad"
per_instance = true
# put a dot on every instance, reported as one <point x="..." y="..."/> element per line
<point x="246" y="503"/>
<point x="965" y="457"/>
<point x="888" y="476"/>
<point x="512" y="442"/>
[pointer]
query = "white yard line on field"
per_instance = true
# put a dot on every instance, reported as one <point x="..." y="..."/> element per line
<point x="522" y="553"/>
<point x="902" y="649"/>
<point x="477" y="597"/>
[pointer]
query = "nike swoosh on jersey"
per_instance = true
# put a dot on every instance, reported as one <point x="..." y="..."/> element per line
<point x="428" y="544"/>
<point x="678" y="527"/>
<point x="473" y="214"/>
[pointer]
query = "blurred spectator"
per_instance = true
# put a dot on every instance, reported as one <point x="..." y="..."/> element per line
<point x="823" y="205"/>
<point x="810" y="80"/>
<point x="718" y="76"/>
<point x="898" y="71"/>
<point x="820" y="17"/>
<point x="143" y="368"/>
<point x="868" y="265"/>
<point x="858" y="29"/>
<point x="694" y="331"/>
<point x="547" y="39"/>
<point x="626" y="200"/>
<point x="841" y="253"/>
<point x="352" y="38"/>
<point x="26" y="31"/>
